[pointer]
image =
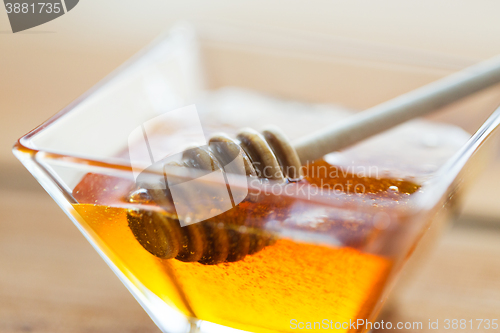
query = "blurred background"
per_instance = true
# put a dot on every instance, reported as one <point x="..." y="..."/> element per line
<point x="51" y="280"/>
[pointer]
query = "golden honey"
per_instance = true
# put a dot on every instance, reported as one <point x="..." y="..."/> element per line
<point x="263" y="292"/>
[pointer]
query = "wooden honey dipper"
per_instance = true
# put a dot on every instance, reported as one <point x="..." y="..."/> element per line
<point x="270" y="155"/>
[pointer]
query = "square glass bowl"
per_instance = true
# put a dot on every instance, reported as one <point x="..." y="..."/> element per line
<point x="272" y="256"/>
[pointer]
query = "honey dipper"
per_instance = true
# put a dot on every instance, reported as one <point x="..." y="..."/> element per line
<point x="270" y="155"/>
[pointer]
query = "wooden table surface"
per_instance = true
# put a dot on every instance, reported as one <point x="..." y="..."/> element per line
<point x="51" y="279"/>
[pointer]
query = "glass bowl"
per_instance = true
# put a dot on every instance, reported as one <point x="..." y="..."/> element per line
<point x="270" y="256"/>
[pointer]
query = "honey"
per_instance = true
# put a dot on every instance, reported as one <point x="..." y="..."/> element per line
<point x="265" y="289"/>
